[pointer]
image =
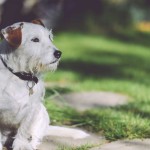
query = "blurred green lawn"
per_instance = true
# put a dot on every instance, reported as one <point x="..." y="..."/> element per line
<point x="100" y="63"/>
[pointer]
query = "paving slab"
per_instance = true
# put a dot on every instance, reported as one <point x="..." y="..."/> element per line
<point x="54" y="143"/>
<point x="136" y="144"/>
<point x="87" y="100"/>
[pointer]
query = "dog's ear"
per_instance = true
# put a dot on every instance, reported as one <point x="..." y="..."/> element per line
<point x="38" y="21"/>
<point x="13" y="35"/>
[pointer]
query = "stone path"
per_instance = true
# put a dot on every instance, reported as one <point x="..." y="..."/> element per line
<point x="126" y="145"/>
<point x="87" y="100"/>
<point x="54" y="143"/>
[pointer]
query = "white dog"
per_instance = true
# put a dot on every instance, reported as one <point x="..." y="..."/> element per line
<point x="25" y="51"/>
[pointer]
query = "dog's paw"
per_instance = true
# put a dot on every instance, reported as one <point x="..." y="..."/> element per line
<point x="22" y="145"/>
<point x="35" y="143"/>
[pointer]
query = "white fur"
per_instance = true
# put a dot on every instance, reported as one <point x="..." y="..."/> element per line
<point x="18" y="111"/>
<point x="66" y="132"/>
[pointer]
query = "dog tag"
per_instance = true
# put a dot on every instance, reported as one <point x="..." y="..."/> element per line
<point x="30" y="91"/>
<point x="30" y="86"/>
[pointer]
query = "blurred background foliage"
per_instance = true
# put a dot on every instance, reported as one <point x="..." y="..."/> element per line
<point x="97" y="15"/>
<point x="94" y="16"/>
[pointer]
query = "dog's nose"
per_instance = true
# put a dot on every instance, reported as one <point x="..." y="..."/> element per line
<point x="57" y="54"/>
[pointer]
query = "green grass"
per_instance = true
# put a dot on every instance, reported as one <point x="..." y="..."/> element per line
<point x="83" y="147"/>
<point x="98" y="63"/>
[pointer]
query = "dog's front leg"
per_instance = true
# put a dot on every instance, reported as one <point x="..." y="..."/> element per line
<point x="32" y="129"/>
<point x="39" y="127"/>
<point x="21" y="141"/>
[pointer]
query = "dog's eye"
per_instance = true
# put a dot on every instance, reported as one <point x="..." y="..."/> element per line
<point x="35" y="40"/>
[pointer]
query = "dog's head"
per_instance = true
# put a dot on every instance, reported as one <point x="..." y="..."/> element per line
<point x="32" y="46"/>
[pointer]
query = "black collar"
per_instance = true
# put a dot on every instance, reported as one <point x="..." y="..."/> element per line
<point x="22" y="75"/>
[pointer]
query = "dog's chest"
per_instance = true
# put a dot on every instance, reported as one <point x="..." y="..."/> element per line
<point x="15" y="101"/>
<point x="19" y="91"/>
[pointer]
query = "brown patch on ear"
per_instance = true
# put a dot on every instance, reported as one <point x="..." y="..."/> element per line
<point x="38" y="21"/>
<point x="14" y="37"/>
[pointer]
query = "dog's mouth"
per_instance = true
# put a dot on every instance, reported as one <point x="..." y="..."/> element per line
<point x="54" y="61"/>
